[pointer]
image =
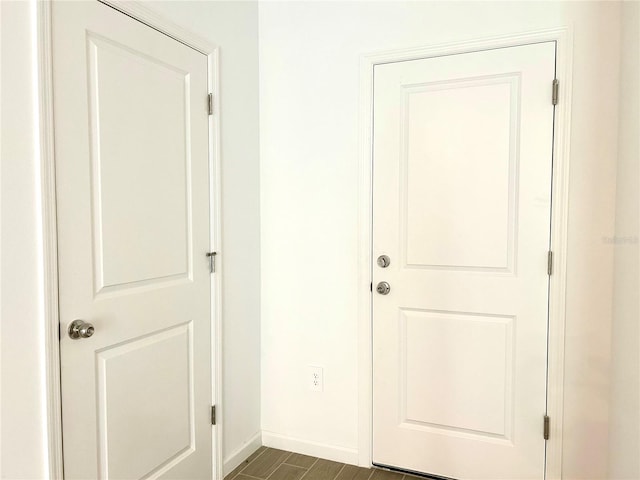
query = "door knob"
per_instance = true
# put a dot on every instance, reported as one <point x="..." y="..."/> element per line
<point x="80" y="329"/>
<point x="384" y="261"/>
<point x="383" y="288"/>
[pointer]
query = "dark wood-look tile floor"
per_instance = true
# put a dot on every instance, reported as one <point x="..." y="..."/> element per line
<point x="273" y="464"/>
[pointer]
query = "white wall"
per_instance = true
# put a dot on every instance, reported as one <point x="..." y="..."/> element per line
<point x="309" y="55"/>
<point x="23" y="454"/>
<point x="232" y="26"/>
<point x="624" y="446"/>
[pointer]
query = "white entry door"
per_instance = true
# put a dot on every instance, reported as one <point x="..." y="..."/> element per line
<point x="462" y="196"/>
<point x="131" y="140"/>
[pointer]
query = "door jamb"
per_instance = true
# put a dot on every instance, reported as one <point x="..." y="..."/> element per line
<point x="46" y="152"/>
<point x="559" y="218"/>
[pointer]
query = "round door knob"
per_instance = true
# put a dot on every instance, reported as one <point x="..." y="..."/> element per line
<point x="383" y="288"/>
<point x="80" y="329"/>
<point x="384" y="261"/>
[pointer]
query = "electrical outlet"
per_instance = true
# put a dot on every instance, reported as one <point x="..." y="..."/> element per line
<point x="316" y="380"/>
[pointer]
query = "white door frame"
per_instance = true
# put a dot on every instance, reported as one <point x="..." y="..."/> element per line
<point x="49" y="227"/>
<point x="559" y="215"/>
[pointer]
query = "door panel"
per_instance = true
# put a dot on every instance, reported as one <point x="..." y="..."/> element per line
<point x="475" y="230"/>
<point x="162" y="407"/>
<point x="462" y="197"/>
<point x="128" y="148"/>
<point x="133" y="218"/>
<point x="432" y="343"/>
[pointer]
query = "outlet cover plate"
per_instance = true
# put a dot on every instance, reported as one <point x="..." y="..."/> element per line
<point x="316" y="378"/>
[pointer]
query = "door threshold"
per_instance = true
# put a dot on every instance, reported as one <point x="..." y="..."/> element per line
<point x="412" y="472"/>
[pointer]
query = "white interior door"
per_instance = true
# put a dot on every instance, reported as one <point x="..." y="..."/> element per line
<point x="131" y="133"/>
<point x="462" y="198"/>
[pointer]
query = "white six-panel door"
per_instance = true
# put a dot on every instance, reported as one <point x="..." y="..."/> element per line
<point x="462" y="195"/>
<point x="131" y="135"/>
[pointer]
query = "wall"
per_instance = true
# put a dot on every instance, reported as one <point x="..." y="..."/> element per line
<point x="24" y="452"/>
<point x="624" y="446"/>
<point x="309" y="54"/>
<point x="232" y="26"/>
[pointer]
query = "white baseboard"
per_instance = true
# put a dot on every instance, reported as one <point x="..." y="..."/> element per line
<point x="242" y="453"/>
<point x="314" y="449"/>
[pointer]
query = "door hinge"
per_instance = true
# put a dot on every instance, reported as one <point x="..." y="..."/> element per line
<point x="213" y="415"/>
<point x="549" y="262"/>
<point x="212" y="261"/>
<point x="371" y="287"/>
<point x="555" y="91"/>
<point x="547" y="427"/>
<point x="210" y="103"/>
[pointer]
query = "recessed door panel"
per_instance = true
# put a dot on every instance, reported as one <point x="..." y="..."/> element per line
<point x="140" y="161"/>
<point x="445" y="153"/>
<point x="145" y="391"/>
<point x="461" y="356"/>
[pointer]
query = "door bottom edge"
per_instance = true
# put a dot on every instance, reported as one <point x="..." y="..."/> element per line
<point x="411" y="472"/>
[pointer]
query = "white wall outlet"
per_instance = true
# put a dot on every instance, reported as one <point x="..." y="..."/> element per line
<point x="316" y="379"/>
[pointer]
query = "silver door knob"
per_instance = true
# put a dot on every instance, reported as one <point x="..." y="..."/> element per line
<point x="383" y="288"/>
<point x="384" y="261"/>
<point x="80" y="329"/>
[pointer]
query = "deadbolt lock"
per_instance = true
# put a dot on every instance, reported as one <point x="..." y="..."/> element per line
<point x="384" y="261"/>
<point x="383" y="288"/>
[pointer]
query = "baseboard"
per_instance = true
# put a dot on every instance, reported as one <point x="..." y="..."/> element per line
<point x="314" y="449"/>
<point x="242" y="453"/>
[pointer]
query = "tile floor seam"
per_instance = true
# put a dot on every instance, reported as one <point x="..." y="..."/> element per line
<point x="274" y="471"/>
<point x="373" y="469"/>
<point x="309" y="469"/>
<point x="259" y="454"/>
<point x="288" y="457"/>
<point x="297" y="466"/>
<point x="277" y="467"/>
<point x="250" y="476"/>
<point x="344" y="465"/>
<point x="249" y="463"/>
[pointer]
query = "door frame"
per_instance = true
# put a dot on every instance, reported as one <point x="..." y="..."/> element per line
<point x="43" y="46"/>
<point x="559" y="219"/>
